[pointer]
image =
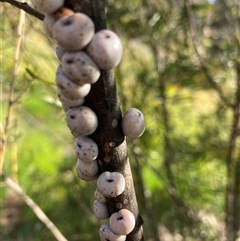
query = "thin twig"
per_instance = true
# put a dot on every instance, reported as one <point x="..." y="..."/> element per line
<point x="16" y="67"/>
<point x="36" y="209"/>
<point x="25" y="7"/>
<point x="14" y="149"/>
<point x="200" y="53"/>
<point x="232" y="162"/>
<point x="11" y="102"/>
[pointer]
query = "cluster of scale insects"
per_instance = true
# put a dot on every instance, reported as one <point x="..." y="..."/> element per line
<point x="82" y="54"/>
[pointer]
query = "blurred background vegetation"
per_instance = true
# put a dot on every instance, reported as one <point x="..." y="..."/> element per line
<point x="180" y="69"/>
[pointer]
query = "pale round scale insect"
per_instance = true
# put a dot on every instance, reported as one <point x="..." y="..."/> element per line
<point x="106" y="234"/>
<point x="69" y="103"/>
<point x="47" y="6"/>
<point x="82" y="121"/>
<point x="122" y="222"/>
<point x="86" y="149"/>
<point x="74" y="32"/>
<point x="111" y="184"/>
<point x="80" y="68"/>
<point x="100" y="210"/>
<point x="133" y="123"/>
<point x="69" y="89"/>
<point x="50" y="19"/>
<point x="105" y="49"/>
<point x="99" y="196"/>
<point x="87" y="171"/>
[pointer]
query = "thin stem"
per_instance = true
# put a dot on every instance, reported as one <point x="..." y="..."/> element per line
<point x="25" y="7"/>
<point x="36" y="209"/>
<point x="17" y="61"/>
<point x="233" y="162"/>
<point x="14" y="152"/>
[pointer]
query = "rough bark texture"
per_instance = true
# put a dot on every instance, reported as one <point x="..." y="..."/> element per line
<point x="103" y="100"/>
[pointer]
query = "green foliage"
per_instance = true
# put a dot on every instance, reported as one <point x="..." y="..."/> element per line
<point x="190" y="170"/>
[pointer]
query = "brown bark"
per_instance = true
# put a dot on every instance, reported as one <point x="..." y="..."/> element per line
<point x="233" y="165"/>
<point x="103" y="100"/>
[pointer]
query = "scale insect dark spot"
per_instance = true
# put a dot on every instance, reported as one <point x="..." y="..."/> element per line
<point x="120" y="218"/>
<point x="69" y="61"/>
<point x="67" y="22"/>
<point x="110" y="180"/>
